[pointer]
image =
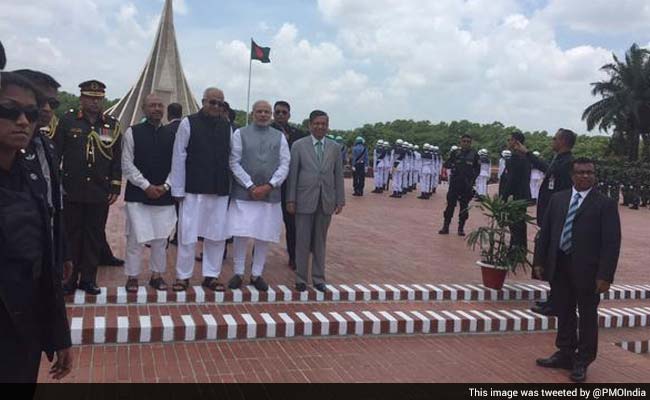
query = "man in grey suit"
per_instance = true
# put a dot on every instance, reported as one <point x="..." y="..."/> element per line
<point x="315" y="192"/>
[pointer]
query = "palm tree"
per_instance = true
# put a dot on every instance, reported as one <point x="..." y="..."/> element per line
<point x="625" y="103"/>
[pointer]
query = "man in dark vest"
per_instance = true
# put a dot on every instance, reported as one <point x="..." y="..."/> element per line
<point x="465" y="166"/>
<point x="259" y="161"/>
<point x="281" y="116"/>
<point x="90" y="145"/>
<point x="201" y="184"/>
<point x="151" y="217"/>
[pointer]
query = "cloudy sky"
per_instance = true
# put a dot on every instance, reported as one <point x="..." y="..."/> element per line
<point x="522" y="62"/>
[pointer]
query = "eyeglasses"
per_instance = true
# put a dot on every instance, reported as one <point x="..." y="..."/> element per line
<point x="218" y="103"/>
<point x="13" y="113"/>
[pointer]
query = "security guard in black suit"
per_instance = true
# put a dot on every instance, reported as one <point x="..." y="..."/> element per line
<point x="32" y="311"/>
<point x="90" y="146"/>
<point x="466" y="166"/>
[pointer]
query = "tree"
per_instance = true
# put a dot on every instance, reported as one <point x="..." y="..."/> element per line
<point x="70" y="101"/>
<point x="625" y="102"/>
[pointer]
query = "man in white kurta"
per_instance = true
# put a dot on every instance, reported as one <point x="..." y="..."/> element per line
<point x="259" y="160"/>
<point x="150" y="214"/>
<point x="201" y="185"/>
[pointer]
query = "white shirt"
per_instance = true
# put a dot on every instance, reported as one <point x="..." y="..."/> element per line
<point x="583" y="196"/>
<point x="129" y="170"/>
<point x="242" y="176"/>
<point x="314" y="140"/>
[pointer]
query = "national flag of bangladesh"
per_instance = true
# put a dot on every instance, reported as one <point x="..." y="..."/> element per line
<point x="260" y="53"/>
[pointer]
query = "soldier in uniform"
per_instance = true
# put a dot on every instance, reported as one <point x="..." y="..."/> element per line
<point x="426" y="172"/>
<point x="398" y="155"/>
<point x="484" y="176"/>
<point x="90" y="146"/>
<point x="437" y="169"/>
<point x="379" y="153"/>
<point x="465" y="166"/>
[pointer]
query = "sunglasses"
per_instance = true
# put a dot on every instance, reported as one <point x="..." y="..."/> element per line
<point x="13" y="113"/>
<point x="215" y="103"/>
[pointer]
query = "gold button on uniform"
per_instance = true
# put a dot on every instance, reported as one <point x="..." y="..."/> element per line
<point x="87" y="179"/>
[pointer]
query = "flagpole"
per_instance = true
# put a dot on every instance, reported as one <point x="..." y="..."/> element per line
<point x="250" y="72"/>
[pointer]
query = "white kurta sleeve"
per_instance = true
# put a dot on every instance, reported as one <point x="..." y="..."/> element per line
<point x="178" y="158"/>
<point x="241" y="176"/>
<point x="129" y="170"/>
<point x="283" y="170"/>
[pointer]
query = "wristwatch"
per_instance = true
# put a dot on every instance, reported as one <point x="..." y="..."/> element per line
<point x="167" y="187"/>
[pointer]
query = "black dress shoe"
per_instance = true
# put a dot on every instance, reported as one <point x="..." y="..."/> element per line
<point x="321" y="287"/>
<point x="557" y="360"/>
<point x="301" y="287"/>
<point x="444" y="230"/>
<point x="235" y="282"/>
<point x="112" y="262"/>
<point x="90" y="288"/>
<point x="579" y="372"/>
<point x="544" y="310"/>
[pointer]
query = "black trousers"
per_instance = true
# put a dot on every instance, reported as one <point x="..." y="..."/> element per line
<point x="569" y="291"/>
<point x="20" y="357"/>
<point x="106" y="253"/>
<point x="359" y="178"/>
<point x="85" y="230"/>
<point x="458" y="194"/>
<point x="519" y="234"/>
<point x="289" y="227"/>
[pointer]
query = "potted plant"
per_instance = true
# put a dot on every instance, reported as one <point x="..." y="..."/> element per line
<point x="493" y="239"/>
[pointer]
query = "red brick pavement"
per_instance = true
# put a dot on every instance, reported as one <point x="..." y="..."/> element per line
<point x="375" y="240"/>
<point x="378" y="239"/>
<point x="459" y="358"/>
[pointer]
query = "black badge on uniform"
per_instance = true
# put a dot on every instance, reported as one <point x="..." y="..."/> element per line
<point x="3" y="57"/>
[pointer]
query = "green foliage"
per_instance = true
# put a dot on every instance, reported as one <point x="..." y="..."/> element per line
<point x="70" y="101"/>
<point x="493" y="239"/>
<point x="625" y="102"/>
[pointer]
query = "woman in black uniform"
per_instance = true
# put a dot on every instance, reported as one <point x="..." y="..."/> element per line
<point x="32" y="310"/>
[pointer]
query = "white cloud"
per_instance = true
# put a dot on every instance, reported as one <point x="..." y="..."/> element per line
<point x="477" y="60"/>
<point x="482" y="60"/>
<point x="603" y="17"/>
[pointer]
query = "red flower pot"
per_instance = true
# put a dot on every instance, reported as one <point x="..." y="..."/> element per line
<point x="493" y="277"/>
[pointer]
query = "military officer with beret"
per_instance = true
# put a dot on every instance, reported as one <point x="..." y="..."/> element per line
<point x="90" y="147"/>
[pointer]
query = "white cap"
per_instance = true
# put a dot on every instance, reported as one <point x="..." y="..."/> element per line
<point x="416" y="147"/>
<point x="436" y="148"/>
<point x="399" y="141"/>
<point x="454" y="147"/>
<point x="536" y="153"/>
<point x="506" y="153"/>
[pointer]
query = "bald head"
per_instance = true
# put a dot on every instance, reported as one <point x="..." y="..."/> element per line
<point x="262" y="113"/>
<point x="153" y="108"/>
<point x="213" y="102"/>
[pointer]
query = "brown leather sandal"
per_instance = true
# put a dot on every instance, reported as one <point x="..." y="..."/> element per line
<point x="181" y="285"/>
<point x="158" y="283"/>
<point x="213" y="284"/>
<point x="131" y="285"/>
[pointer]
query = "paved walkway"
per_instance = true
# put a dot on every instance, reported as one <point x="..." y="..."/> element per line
<point x="376" y="241"/>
